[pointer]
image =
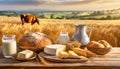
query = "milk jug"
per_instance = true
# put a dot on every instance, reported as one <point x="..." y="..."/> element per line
<point x="80" y="33"/>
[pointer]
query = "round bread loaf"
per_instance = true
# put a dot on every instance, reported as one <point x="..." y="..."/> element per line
<point x="34" y="41"/>
<point x="101" y="47"/>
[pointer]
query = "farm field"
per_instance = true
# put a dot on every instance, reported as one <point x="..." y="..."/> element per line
<point x="108" y="30"/>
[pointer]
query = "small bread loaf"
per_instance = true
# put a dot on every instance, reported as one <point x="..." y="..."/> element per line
<point x="34" y="41"/>
<point x="101" y="47"/>
<point x="105" y="43"/>
<point x="95" y="44"/>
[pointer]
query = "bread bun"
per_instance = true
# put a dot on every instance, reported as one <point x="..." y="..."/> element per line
<point x="95" y="44"/>
<point x="105" y="43"/>
<point x="34" y="41"/>
<point x="101" y="47"/>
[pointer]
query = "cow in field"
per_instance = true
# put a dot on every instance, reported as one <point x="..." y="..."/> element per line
<point x="29" y="18"/>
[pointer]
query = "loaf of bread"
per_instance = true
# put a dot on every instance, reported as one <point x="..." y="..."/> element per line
<point x="101" y="47"/>
<point x="105" y="43"/>
<point x="95" y="44"/>
<point x="34" y="41"/>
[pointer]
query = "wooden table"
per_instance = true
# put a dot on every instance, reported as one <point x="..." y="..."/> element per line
<point x="109" y="61"/>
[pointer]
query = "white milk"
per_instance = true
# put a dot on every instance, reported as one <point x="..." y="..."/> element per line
<point x="63" y="38"/>
<point x="9" y="48"/>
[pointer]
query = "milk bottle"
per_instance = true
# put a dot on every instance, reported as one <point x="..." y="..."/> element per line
<point x="9" y="47"/>
<point x="63" y="38"/>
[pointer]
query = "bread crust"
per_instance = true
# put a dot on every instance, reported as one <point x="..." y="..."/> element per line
<point x="105" y="43"/>
<point x="35" y="40"/>
<point x="99" y="44"/>
<point x="101" y="47"/>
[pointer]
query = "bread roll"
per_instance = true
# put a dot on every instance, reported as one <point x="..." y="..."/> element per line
<point x="101" y="47"/>
<point x="95" y="44"/>
<point x="34" y="41"/>
<point x="105" y="43"/>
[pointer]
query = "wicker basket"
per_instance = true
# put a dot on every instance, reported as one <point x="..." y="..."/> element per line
<point x="100" y="51"/>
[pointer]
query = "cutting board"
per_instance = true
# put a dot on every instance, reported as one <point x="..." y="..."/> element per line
<point x="52" y="58"/>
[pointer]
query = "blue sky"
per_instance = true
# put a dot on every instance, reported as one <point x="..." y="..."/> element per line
<point x="59" y="4"/>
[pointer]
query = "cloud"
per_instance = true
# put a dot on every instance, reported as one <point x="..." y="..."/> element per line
<point x="67" y="2"/>
<point x="46" y="2"/>
<point x="21" y="2"/>
<point x="59" y="4"/>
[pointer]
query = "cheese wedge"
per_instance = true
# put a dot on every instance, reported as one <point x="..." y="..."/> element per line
<point x="26" y="54"/>
<point x="72" y="54"/>
<point x="62" y="54"/>
<point x="79" y="51"/>
<point x="54" y="49"/>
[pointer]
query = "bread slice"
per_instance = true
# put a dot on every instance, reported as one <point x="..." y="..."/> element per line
<point x="79" y="51"/>
<point x="72" y="54"/>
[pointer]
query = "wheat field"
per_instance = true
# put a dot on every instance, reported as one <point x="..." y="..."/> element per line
<point x="108" y="30"/>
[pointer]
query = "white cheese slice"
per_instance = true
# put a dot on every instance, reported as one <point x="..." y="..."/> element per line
<point x="54" y="49"/>
<point x="25" y="54"/>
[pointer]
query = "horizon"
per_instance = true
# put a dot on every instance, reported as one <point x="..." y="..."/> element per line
<point x="62" y="5"/>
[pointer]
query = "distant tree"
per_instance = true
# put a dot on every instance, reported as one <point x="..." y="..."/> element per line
<point x="109" y="17"/>
<point x="102" y="18"/>
<point x="52" y="16"/>
<point x="97" y="13"/>
<point x="42" y="16"/>
<point x="9" y="15"/>
<point x="58" y="17"/>
<point x="63" y="17"/>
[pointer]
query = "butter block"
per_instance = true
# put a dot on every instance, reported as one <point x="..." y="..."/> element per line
<point x="26" y="54"/>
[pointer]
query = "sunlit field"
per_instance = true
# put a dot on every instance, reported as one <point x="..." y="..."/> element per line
<point x="108" y="30"/>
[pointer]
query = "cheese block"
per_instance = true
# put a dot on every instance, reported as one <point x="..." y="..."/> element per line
<point x="62" y="54"/>
<point x="26" y="54"/>
<point x="79" y="51"/>
<point x="72" y="54"/>
<point x="54" y="49"/>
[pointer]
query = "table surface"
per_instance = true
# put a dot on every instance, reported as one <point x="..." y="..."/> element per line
<point x="108" y="61"/>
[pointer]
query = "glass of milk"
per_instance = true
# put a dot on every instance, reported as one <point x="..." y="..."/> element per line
<point x="9" y="47"/>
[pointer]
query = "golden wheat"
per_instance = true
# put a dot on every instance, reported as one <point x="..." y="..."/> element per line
<point x="102" y="29"/>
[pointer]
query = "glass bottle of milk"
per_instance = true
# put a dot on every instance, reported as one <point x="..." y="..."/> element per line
<point x="9" y="47"/>
<point x="63" y="38"/>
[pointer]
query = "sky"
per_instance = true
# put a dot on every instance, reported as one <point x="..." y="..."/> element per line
<point x="59" y="4"/>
